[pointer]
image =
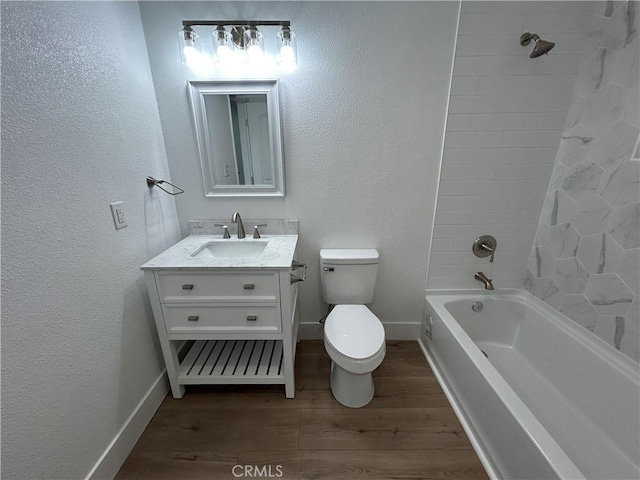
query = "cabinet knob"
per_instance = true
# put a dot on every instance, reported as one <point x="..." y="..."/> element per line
<point x="252" y="318"/>
<point x="187" y="287"/>
<point x="249" y="286"/>
<point x="193" y="318"/>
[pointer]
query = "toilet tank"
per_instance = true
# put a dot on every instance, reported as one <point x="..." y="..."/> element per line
<point x="348" y="275"/>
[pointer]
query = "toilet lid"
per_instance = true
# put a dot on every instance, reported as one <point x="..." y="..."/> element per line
<point x="354" y="331"/>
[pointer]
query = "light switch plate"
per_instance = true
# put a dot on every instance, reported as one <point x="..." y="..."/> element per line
<point x="119" y="218"/>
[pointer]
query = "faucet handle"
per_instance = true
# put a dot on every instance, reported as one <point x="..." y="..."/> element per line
<point x="256" y="233"/>
<point x="226" y="230"/>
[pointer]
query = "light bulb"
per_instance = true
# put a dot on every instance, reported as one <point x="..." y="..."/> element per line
<point x="287" y="56"/>
<point x="224" y="54"/>
<point x="191" y="54"/>
<point x="254" y="52"/>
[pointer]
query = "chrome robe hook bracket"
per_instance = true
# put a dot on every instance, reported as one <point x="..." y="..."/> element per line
<point x="152" y="182"/>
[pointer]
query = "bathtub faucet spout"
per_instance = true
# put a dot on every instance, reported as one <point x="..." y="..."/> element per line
<point x="488" y="283"/>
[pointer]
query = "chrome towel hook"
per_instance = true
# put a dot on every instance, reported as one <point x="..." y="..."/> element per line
<point x="296" y="265"/>
<point x="152" y="182"/>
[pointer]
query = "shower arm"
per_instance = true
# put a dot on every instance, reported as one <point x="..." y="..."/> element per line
<point x="525" y="38"/>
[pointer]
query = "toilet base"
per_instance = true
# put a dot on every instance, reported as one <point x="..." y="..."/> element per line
<point x="350" y="389"/>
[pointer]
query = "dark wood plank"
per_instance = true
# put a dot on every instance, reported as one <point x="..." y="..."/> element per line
<point x="401" y="348"/>
<point x="199" y="465"/>
<point x="370" y="464"/>
<point x="310" y="346"/>
<point x="409" y="367"/>
<point x="408" y="392"/>
<point x="381" y="428"/>
<point x="312" y="371"/>
<point x="221" y="429"/>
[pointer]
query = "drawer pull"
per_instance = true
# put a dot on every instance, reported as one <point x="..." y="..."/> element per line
<point x="187" y="287"/>
<point x="249" y="286"/>
<point x="193" y="318"/>
<point x="252" y="318"/>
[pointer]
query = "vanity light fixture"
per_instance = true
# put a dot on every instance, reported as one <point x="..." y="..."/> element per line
<point x="241" y="39"/>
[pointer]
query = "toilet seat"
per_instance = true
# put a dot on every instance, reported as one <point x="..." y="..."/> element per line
<point x="354" y="331"/>
<point x="354" y="340"/>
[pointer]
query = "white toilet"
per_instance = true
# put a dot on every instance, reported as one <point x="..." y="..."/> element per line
<point x="353" y="335"/>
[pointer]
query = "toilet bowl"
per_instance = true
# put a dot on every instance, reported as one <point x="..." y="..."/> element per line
<point x="354" y="340"/>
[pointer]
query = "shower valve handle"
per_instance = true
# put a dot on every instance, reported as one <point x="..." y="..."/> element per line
<point x="487" y="248"/>
<point x="484" y="246"/>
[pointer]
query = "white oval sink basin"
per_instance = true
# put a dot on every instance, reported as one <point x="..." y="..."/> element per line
<point x="231" y="249"/>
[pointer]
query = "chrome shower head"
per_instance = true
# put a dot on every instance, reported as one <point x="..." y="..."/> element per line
<point x="542" y="47"/>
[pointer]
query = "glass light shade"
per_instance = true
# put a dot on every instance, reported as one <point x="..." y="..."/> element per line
<point x="288" y="48"/>
<point x="223" y="45"/>
<point x="190" y="52"/>
<point x="254" y="45"/>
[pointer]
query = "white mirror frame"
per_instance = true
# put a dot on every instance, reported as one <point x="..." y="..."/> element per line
<point x="197" y="92"/>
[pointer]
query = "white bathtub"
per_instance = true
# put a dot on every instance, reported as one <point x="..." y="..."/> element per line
<point x="539" y="396"/>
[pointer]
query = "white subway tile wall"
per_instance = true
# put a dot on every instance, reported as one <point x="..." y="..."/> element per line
<point x="506" y="116"/>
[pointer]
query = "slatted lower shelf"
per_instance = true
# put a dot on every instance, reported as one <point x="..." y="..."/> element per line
<point x="232" y="361"/>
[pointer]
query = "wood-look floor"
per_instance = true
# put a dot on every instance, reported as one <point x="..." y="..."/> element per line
<point x="408" y="431"/>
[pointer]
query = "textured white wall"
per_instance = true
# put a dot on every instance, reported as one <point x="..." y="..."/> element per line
<point x="363" y="119"/>
<point x="80" y="129"/>
<point x="506" y="116"/>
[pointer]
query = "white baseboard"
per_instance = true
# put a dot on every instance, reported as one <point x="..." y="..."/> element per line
<point x="120" y="447"/>
<point x="310" y="331"/>
<point x="393" y="331"/>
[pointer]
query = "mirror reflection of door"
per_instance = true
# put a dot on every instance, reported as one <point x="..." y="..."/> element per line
<point x="250" y="125"/>
<point x="224" y="169"/>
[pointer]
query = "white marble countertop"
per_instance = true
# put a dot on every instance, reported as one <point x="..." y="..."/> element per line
<point x="278" y="253"/>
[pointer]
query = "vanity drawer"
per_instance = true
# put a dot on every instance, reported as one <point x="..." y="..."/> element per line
<point x="227" y="319"/>
<point x="227" y="286"/>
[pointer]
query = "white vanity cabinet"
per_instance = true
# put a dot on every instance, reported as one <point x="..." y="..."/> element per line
<point x="239" y="323"/>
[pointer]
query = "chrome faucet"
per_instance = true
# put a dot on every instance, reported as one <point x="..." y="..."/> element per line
<point x="235" y="218"/>
<point x="488" y="283"/>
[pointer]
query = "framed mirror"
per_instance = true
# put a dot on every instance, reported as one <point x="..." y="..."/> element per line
<point x="237" y="126"/>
